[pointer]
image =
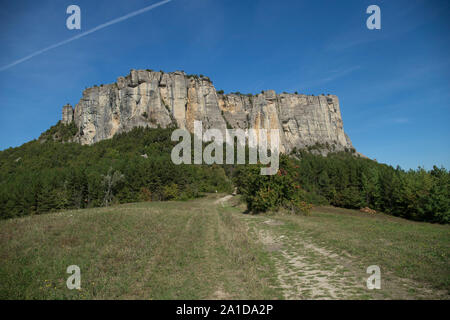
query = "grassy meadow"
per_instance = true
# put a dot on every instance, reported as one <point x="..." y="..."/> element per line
<point x="209" y="249"/>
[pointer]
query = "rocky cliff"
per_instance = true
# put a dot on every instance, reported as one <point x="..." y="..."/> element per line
<point x="148" y="98"/>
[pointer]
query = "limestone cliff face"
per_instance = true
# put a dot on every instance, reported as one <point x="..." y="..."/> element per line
<point x="148" y="98"/>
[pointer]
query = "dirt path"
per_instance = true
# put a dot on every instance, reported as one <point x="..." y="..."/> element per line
<point x="304" y="269"/>
<point x="309" y="268"/>
<point x="307" y="271"/>
<point x="223" y="199"/>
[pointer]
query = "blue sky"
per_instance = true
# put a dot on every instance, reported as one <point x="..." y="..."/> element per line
<point x="393" y="83"/>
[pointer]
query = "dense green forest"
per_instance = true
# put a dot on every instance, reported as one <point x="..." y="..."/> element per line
<point x="344" y="180"/>
<point x="48" y="175"/>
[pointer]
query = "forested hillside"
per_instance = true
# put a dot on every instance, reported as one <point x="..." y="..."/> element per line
<point x="46" y="175"/>
<point x="51" y="174"/>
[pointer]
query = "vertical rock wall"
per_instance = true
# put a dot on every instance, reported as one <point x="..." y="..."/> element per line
<point x="148" y="98"/>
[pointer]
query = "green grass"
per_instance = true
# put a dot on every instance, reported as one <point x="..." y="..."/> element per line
<point x="408" y="249"/>
<point x="202" y="250"/>
<point x="171" y="250"/>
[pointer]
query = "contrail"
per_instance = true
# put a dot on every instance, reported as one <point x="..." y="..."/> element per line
<point x="104" y="25"/>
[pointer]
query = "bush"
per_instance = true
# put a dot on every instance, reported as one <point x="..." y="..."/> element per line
<point x="266" y="193"/>
<point x="170" y="192"/>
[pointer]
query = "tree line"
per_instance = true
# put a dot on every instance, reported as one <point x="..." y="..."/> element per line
<point x="50" y="174"/>
<point x="344" y="180"/>
<point x="47" y="175"/>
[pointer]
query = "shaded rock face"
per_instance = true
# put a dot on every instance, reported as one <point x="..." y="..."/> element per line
<point x="148" y="98"/>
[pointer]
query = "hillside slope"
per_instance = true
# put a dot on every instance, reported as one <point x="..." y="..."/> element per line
<point x="46" y="175"/>
<point x="208" y="249"/>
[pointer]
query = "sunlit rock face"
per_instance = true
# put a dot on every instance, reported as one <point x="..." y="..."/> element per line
<point x="149" y="98"/>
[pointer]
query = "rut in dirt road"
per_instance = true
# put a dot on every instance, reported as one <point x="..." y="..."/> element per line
<point x="306" y="271"/>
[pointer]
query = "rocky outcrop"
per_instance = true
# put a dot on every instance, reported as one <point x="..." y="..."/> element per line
<point x="148" y="98"/>
<point x="67" y="114"/>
